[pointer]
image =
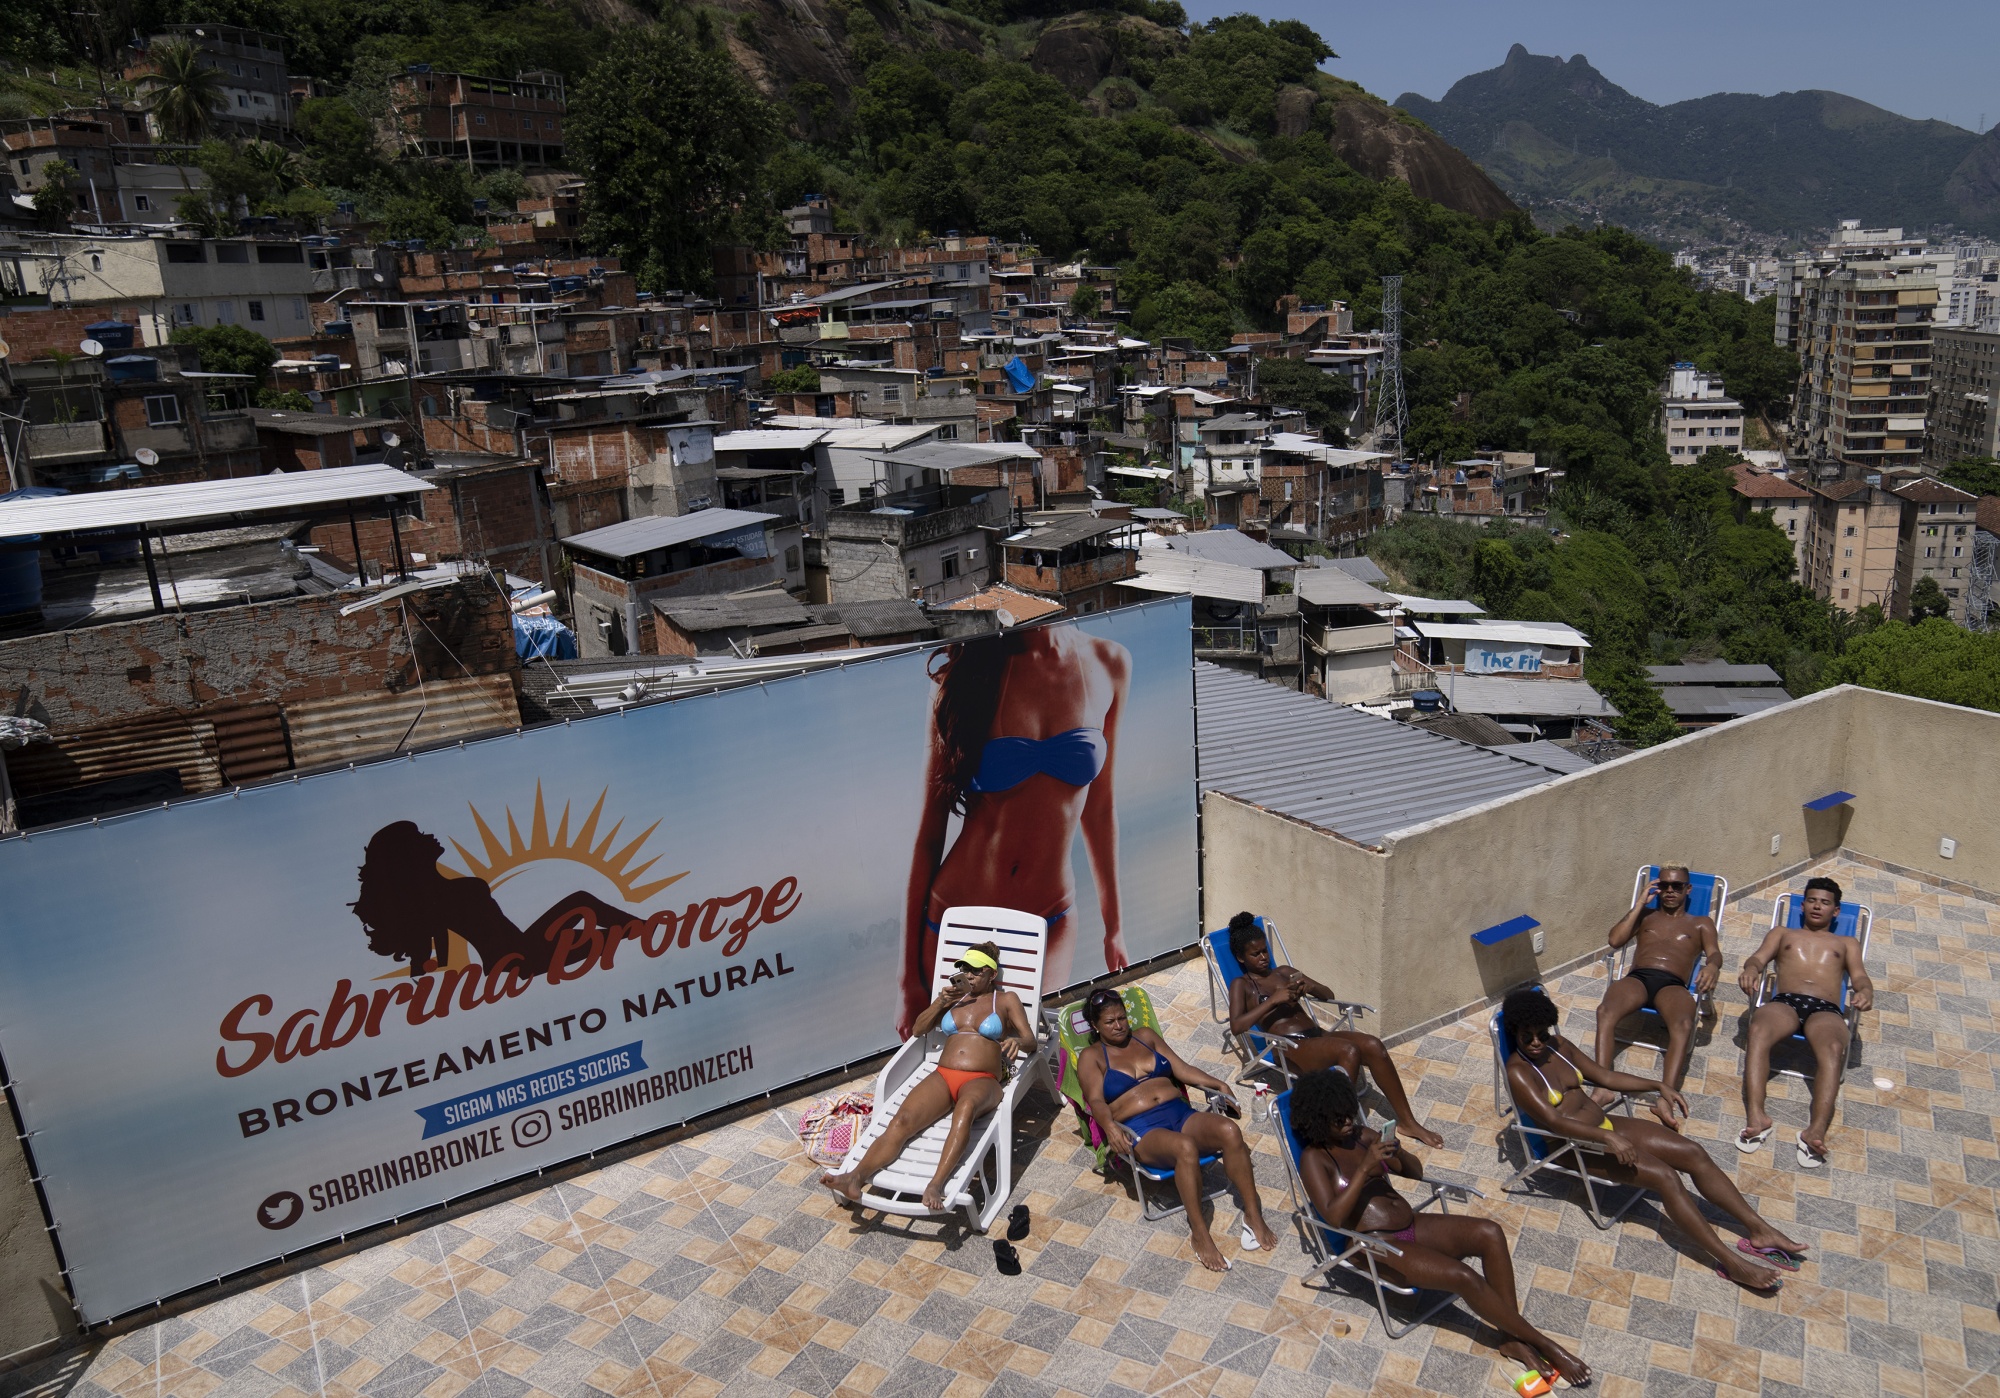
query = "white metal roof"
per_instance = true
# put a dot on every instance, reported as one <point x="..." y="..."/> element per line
<point x="1163" y="570"/>
<point x="1231" y="546"/>
<point x="770" y="439"/>
<point x="1298" y="444"/>
<point x="1520" y="633"/>
<point x="1338" y="768"/>
<point x="158" y="505"/>
<point x="636" y="536"/>
<point x="1438" y="606"/>
<point x="882" y="438"/>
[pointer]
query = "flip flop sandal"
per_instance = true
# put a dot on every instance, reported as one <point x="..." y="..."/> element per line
<point x="1006" y="1258"/>
<point x="1017" y="1223"/>
<point x="1777" y="1257"/>
<point x="1248" y="1239"/>
<point x="1777" y="1284"/>
<point x="1810" y="1159"/>
<point x="1751" y="1144"/>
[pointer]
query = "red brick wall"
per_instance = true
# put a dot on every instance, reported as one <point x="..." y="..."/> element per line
<point x="283" y="652"/>
<point x="494" y="516"/>
<point x="32" y="334"/>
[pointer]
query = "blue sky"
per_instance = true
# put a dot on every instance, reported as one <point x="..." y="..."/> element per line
<point x="1931" y="61"/>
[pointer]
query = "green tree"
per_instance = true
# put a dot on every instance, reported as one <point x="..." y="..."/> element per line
<point x="1327" y="402"/>
<point x="55" y="201"/>
<point x="1927" y="600"/>
<point x="671" y="137"/>
<point x="1085" y="302"/>
<point x="186" y="93"/>
<point x="1496" y="576"/>
<point x="339" y="143"/>
<point x="1931" y="660"/>
<point x="230" y="349"/>
<point x="1978" y="474"/>
<point x="1644" y="719"/>
<point x="802" y="379"/>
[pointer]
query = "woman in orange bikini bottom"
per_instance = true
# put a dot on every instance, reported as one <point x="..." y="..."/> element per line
<point x="985" y="1027"/>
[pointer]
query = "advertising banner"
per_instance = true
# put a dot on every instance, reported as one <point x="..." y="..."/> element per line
<point x="1503" y="660"/>
<point x="242" y="1025"/>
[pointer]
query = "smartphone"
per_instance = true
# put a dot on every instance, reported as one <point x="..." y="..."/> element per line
<point x="1389" y="1131"/>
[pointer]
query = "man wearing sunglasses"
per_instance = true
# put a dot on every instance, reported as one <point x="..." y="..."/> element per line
<point x="1668" y="941"/>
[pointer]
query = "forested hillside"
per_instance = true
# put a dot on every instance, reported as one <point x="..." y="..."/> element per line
<point x="1218" y="169"/>
<point x="1559" y="134"/>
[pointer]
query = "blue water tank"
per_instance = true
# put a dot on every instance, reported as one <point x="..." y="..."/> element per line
<point x="21" y="559"/>
<point x="112" y="334"/>
<point x="132" y="368"/>
<point x="337" y="328"/>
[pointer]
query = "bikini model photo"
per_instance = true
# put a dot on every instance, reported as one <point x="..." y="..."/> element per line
<point x="1023" y="747"/>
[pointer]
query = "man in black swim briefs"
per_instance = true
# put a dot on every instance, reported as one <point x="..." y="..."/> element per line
<point x="1812" y="961"/>
<point x="1668" y="941"/>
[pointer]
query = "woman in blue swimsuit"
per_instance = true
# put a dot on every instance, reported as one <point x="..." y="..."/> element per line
<point x="1134" y="1086"/>
<point x="1024" y="741"/>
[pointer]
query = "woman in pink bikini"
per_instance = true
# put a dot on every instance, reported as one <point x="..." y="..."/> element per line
<point x="1024" y="739"/>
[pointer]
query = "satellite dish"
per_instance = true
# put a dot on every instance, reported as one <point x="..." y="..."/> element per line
<point x="4" y="350"/>
<point x="390" y="439"/>
<point x="92" y="348"/>
<point x="147" y="456"/>
<point x="378" y="278"/>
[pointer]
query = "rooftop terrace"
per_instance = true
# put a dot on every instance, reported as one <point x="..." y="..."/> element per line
<point x="714" y="1264"/>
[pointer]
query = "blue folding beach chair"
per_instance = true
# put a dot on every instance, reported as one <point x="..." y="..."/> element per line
<point x="1261" y="1051"/>
<point x="1853" y="920"/>
<point x="1342" y="1249"/>
<point x="1548" y="1150"/>
<point x="1708" y="896"/>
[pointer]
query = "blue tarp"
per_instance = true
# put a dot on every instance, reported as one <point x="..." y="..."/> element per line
<point x="543" y="638"/>
<point x="1020" y="375"/>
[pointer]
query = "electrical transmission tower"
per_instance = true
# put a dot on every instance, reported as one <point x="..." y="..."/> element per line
<point x="1985" y="567"/>
<point x="1392" y="414"/>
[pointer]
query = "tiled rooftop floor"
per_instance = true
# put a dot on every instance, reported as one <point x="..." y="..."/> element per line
<point x="715" y="1265"/>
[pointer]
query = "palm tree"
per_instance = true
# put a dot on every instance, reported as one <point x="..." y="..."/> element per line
<point x="187" y="93"/>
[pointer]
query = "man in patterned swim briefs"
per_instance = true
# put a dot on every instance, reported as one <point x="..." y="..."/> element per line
<point x="1811" y="962"/>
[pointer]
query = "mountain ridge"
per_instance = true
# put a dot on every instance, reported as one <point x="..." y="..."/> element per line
<point x="1561" y="137"/>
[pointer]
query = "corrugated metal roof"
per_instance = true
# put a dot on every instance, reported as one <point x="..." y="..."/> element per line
<point x="353" y="727"/>
<point x="1330" y="587"/>
<point x="1340" y="769"/>
<point x="1521" y="633"/>
<point x="636" y="536"/>
<point x="1162" y="570"/>
<point x="200" y="500"/>
<point x="1711" y="701"/>
<point x="770" y="439"/>
<point x="1229" y="546"/>
<point x="1436" y="606"/>
<point x="1552" y="755"/>
<point x="1364" y="568"/>
<point x="1714" y="672"/>
<point x="1504" y="694"/>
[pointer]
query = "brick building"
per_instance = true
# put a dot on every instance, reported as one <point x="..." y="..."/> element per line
<point x="485" y="122"/>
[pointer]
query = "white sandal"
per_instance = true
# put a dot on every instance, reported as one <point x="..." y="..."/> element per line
<point x="1810" y="1159"/>
<point x="1750" y="1144"/>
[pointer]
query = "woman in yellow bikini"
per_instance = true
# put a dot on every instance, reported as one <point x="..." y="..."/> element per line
<point x="1550" y="1078"/>
<point x="1024" y="743"/>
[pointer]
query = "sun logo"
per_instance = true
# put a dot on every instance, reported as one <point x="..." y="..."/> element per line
<point x="504" y="858"/>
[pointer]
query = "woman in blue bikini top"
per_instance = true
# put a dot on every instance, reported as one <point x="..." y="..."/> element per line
<point x="1139" y="1105"/>
<point x="1024" y="743"/>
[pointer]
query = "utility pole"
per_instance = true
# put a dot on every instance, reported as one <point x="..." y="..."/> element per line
<point x="1392" y="414"/>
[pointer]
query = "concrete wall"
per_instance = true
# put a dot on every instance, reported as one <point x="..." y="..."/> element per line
<point x="34" y="1307"/>
<point x="1394" y="926"/>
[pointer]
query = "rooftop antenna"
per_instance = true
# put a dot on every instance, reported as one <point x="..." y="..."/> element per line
<point x="1392" y="413"/>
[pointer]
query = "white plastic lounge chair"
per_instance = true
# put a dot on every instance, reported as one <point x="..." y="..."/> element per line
<point x="985" y="1177"/>
<point x="1549" y="1150"/>
<point x="1708" y="896"/>
<point x="1852" y="920"/>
